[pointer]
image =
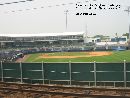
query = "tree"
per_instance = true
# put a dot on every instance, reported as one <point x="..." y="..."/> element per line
<point x="102" y="37"/>
<point x="126" y="34"/>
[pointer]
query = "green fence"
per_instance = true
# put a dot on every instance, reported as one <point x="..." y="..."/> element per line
<point x="91" y="74"/>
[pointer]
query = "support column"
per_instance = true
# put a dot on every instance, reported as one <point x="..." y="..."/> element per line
<point x="2" y="77"/>
<point x="125" y="73"/>
<point x="70" y="71"/>
<point x="43" y="73"/>
<point x="21" y="73"/>
<point x="95" y="75"/>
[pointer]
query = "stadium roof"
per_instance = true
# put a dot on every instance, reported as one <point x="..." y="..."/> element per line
<point x="42" y="34"/>
<point x="110" y="43"/>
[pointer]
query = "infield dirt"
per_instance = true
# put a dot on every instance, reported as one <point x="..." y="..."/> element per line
<point x="88" y="54"/>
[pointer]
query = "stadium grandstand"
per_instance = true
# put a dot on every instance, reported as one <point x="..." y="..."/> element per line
<point x="44" y="39"/>
<point x="17" y="45"/>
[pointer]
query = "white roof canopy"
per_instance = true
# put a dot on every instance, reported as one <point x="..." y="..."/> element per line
<point x="42" y="34"/>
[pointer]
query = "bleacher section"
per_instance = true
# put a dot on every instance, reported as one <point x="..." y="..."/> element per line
<point x="12" y="55"/>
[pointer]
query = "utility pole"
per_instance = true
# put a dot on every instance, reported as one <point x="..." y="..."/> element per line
<point x="85" y="35"/>
<point x="128" y="10"/>
<point x="117" y="40"/>
<point x="66" y="12"/>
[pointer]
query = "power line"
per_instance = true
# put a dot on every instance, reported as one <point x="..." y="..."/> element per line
<point x="1" y="4"/>
<point x="41" y="7"/>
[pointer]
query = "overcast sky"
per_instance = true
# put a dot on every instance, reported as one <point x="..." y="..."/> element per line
<point x="31" y="17"/>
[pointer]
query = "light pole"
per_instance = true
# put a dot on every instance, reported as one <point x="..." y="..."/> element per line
<point x="66" y="12"/>
<point x="128" y="10"/>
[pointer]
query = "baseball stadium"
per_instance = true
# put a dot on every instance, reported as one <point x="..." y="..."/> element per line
<point x="85" y="55"/>
<point x="61" y="47"/>
<point x="69" y="58"/>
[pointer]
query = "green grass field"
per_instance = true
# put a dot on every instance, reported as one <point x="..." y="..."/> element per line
<point x="116" y="56"/>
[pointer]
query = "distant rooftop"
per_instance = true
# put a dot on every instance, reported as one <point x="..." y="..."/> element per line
<point x="42" y="34"/>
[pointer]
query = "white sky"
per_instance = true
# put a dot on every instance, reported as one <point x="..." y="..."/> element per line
<point x="52" y="19"/>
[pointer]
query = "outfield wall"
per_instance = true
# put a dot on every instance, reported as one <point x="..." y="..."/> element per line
<point x="91" y="74"/>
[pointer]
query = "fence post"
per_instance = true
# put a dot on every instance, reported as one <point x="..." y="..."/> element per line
<point x="125" y="73"/>
<point x="114" y="84"/>
<point x="70" y="71"/>
<point x="2" y="77"/>
<point x="95" y="74"/>
<point x="21" y="72"/>
<point x="43" y="72"/>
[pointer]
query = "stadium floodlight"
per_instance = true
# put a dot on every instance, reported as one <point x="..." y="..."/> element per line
<point x="128" y="10"/>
